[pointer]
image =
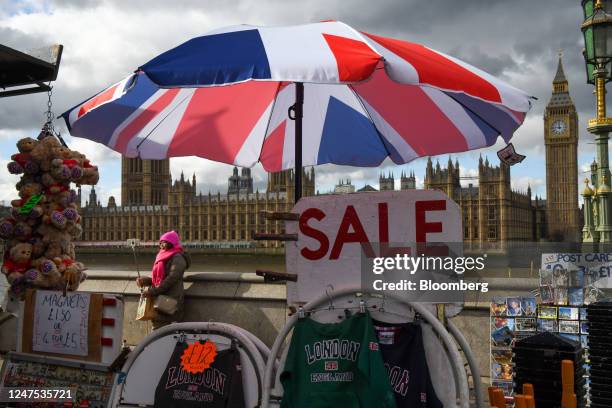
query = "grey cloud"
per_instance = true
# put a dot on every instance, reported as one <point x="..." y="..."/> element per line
<point x="517" y="40"/>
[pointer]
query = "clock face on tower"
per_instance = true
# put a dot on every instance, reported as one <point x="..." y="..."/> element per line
<point x="558" y="127"/>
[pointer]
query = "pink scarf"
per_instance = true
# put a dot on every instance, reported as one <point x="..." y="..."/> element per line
<point x="159" y="266"/>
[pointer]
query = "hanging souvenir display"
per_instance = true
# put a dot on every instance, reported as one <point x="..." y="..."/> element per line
<point x="335" y="364"/>
<point x="217" y="386"/>
<point x="405" y="360"/>
<point x="44" y="219"/>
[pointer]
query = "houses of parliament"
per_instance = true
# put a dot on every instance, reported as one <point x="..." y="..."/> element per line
<point x="492" y="211"/>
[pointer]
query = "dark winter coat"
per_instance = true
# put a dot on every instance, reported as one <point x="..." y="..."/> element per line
<point x="172" y="285"/>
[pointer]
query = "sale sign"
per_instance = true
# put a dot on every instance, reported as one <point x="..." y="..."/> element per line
<point x="335" y="231"/>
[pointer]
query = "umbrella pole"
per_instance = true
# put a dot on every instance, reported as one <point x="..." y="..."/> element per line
<point x="299" y="110"/>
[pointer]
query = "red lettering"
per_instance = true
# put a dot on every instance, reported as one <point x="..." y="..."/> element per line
<point x="422" y="226"/>
<point x="351" y="220"/>
<point x="383" y="233"/>
<point x="313" y="254"/>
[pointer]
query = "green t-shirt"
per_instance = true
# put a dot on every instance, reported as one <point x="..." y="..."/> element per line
<point x="335" y="365"/>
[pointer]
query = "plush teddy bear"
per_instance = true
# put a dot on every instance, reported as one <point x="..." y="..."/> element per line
<point x="27" y="191"/>
<point x="43" y="152"/>
<point x="91" y="175"/>
<point x="18" y="287"/>
<point x="54" y="186"/>
<point x="37" y="279"/>
<point x="73" y="275"/>
<point x="43" y="274"/>
<point x="7" y="227"/>
<point x="22" y="231"/>
<point x="66" y="169"/>
<point x="23" y="162"/>
<point x="52" y="236"/>
<point x="38" y="246"/>
<point x="75" y="230"/>
<point x="66" y="164"/>
<point x="65" y="199"/>
<point x="17" y="261"/>
<point x="34" y="212"/>
<point x="27" y="179"/>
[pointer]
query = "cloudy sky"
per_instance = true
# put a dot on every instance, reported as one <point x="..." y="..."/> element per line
<point x="105" y="40"/>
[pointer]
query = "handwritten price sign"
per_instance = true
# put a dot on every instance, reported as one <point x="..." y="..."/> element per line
<point x="198" y="356"/>
<point x="61" y="323"/>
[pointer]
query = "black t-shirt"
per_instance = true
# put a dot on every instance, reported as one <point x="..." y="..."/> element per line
<point x="404" y="356"/>
<point x="219" y="386"/>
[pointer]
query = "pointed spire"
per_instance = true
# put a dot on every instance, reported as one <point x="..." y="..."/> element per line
<point x="182" y="176"/>
<point x="560" y="75"/>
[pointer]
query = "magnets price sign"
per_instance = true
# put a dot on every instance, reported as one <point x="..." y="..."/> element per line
<point x="597" y="267"/>
<point x="61" y="323"/>
<point x="333" y="231"/>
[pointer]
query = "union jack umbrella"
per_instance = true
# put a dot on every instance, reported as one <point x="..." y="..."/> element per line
<point x="228" y="95"/>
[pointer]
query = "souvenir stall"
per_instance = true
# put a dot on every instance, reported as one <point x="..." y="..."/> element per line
<point x="565" y="308"/>
<point x="64" y="340"/>
<point x="351" y="97"/>
<point x="340" y="325"/>
<point x="67" y="343"/>
<point x="191" y="364"/>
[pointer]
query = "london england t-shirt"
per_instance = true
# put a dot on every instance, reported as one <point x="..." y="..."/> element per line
<point x="219" y="386"/>
<point x="335" y="365"/>
<point x="404" y="357"/>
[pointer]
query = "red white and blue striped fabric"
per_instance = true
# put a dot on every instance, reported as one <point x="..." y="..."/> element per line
<point x="225" y="96"/>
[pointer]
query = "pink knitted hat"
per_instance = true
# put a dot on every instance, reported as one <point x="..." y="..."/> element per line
<point x="171" y="237"/>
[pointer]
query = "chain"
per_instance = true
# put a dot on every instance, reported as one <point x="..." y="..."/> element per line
<point x="49" y="112"/>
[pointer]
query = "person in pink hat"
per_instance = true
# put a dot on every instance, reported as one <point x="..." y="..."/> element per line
<point x="167" y="277"/>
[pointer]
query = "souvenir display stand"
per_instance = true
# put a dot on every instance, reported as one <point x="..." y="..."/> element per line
<point x="442" y="354"/>
<point x="145" y="365"/>
<point x="57" y="347"/>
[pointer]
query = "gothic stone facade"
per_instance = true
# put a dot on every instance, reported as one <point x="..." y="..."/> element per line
<point x="492" y="212"/>
<point x="561" y="141"/>
<point x="231" y="217"/>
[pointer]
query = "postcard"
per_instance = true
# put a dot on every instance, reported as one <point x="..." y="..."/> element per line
<point x="502" y="356"/>
<point x="560" y="277"/>
<point x="575" y="296"/>
<point x="547" y="312"/>
<point x="584" y="328"/>
<point x="525" y="324"/>
<point x="569" y="326"/>
<point x="560" y="296"/>
<point x="498" y="307"/>
<point x="514" y="306"/>
<point x="547" y="325"/>
<point x="546" y="277"/>
<point x="568" y="313"/>
<point x="528" y="306"/>
<point x="576" y="278"/>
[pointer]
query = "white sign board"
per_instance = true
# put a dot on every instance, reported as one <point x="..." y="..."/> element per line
<point x="61" y="322"/>
<point x="597" y="267"/>
<point x="333" y="229"/>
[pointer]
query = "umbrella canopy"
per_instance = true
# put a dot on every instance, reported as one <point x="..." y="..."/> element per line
<point x="225" y="96"/>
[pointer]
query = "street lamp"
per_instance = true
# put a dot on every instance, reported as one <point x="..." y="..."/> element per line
<point x="597" y="31"/>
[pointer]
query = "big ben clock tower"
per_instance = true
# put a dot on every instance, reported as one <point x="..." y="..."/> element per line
<point x="561" y="140"/>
